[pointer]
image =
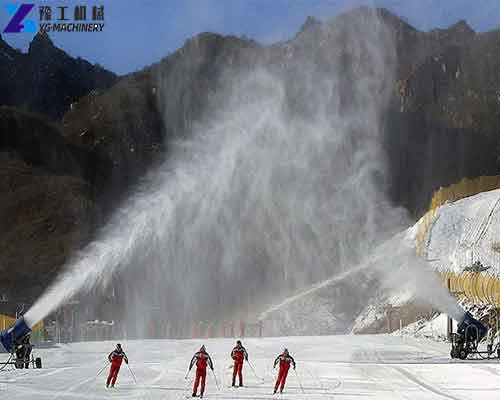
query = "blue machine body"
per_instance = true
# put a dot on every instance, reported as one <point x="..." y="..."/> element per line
<point x="471" y="329"/>
<point x="14" y="334"/>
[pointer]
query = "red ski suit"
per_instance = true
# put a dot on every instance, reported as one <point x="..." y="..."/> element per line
<point x="115" y="358"/>
<point x="202" y="359"/>
<point x="239" y="355"/>
<point x="284" y="360"/>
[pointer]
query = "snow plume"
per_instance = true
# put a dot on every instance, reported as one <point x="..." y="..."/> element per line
<point x="400" y="268"/>
<point x="283" y="186"/>
<point x="338" y="304"/>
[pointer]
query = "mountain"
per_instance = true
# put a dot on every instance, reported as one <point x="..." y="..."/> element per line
<point x="46" y="79"/>
<point x="441" y="123"/>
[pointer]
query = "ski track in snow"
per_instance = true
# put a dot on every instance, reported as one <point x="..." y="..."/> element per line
<point x="329" y="367"/>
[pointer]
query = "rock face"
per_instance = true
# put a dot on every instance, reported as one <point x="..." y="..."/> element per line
<point x="46" y="79"/>
<point x="47" y="207"/>
<point x="129" y="123"/>
<point x="441" y="125"/>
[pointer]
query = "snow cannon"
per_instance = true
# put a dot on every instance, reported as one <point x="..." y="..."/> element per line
<point x="471" y="329"/>
<point x="16" y="340"/>
<point x="465" y="343"/>
<point x="14" y="334"/>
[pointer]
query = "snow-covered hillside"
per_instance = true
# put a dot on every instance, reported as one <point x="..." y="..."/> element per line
<point x="464" y="232"/>
<point x="329" y="367"/>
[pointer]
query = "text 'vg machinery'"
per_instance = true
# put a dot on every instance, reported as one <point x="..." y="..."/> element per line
<point x="465" y="343"/>
<point x="16" y="341"/>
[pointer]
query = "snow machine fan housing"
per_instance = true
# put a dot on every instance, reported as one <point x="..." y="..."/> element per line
<point x="465" y="343"/>
<point x="471" y="329"/>
<point x="14" y="334"/>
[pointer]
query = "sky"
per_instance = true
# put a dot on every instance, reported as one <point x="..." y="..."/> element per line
<point x="140" y="32"/>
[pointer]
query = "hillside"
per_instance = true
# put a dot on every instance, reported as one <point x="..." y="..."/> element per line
<point x="47" y="207"/>
<point x="466" y="232"/>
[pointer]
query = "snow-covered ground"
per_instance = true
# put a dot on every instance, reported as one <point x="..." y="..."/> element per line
<point x="329" y="367"/>
<point x="434" y="329"/>
<point x="466" y="231"/>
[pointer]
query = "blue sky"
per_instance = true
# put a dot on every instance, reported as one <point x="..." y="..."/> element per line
<point x="140" y="32"/>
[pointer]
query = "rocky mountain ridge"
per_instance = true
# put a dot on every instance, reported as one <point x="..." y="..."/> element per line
<point x="46" y="79"/>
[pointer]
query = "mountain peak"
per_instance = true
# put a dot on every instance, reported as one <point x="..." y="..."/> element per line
<point x="41" y="43"/>
<point x="7" y="51"/>
<point x="42" y="38"/>
<point x="459" y="31"/>
<point x="389" y="18"/>
<point x="310" y="23"/>
<point x="462" y="27"/>
<point x="311" y="26"/>
<point x="3" y="43"/>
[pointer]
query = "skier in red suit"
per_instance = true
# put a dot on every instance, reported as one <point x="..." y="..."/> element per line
<point x="115" y="358"/>
<point x="201" y="359"/>
<point x="285" y="360"/>
<point x="239" y="355"/>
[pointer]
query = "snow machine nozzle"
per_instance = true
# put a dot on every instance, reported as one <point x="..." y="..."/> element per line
<point x="471" y="329"/>
<point x="14" y="334"/>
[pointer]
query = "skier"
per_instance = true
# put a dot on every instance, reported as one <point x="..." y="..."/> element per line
<point x="201" y="359"/>
<point x="115" y="358"/>
<point x="284" y="359"/>
<point x="239" y="355"/>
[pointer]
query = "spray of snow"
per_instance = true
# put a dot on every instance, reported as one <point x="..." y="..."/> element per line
<point x="282" y="187"/>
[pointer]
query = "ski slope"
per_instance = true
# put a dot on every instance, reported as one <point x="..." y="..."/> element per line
<point x="329" y="367"/>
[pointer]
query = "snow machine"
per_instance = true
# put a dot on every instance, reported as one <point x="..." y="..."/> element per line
<point x="469" y="334"/>
<point x="16" y="341"/>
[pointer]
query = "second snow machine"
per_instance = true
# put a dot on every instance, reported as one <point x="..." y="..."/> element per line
<point x="464" y="343"/>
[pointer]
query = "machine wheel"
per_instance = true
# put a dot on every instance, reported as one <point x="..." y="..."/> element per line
<point x="19" y="364"/>
<point x="38" y="362"/>
<point x="498" y="352"/>
<point x="453" y="353"/>
<point x="462" y="354"/>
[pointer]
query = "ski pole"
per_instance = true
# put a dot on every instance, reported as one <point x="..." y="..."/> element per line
<point x="300" y="383"/>
<point x="132" y="373"/>
<point x="253" y="370"/>
<point x="215" y="377"/>
<point x="187" y="374"/>
<point x="100" y="371"/>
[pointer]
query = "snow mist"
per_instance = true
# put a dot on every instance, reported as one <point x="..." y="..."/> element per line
<point x="283" y="185"/>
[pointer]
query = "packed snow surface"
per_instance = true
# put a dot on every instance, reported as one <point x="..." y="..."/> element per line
<point x="329" y="367"/>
